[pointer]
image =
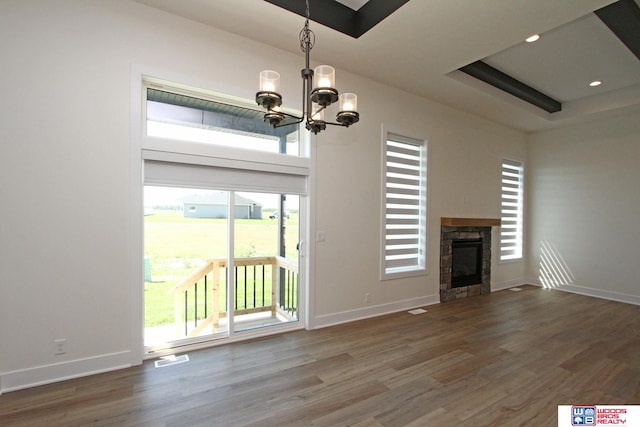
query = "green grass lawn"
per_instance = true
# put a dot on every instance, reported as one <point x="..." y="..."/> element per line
<point x="177" y="246"/>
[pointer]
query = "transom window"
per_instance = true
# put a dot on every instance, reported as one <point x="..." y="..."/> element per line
<point x="183" y="117"/>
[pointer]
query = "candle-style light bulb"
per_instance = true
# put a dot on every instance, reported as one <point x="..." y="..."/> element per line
<point x="268" y="87"/>
<point x="324" y="82"/>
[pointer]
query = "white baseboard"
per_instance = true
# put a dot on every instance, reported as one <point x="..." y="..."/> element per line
<point x="592" y="292"/>
<point x="597" y="293"/>
<point x="46" y="374"/>
<point x="374" y="311"/>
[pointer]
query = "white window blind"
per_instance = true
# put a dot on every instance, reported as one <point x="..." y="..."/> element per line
<point x="511" y="210"/>
<point x="220" y="178"/>
<point x="405" y="197"/>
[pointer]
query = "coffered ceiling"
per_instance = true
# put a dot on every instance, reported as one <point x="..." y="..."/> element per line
<point x="421" y="47"/>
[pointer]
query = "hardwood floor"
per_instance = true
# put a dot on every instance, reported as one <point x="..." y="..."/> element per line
<point x="504" y="359"/>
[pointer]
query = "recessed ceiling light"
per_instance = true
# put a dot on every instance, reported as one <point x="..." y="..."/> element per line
<point x="533" y="38"/>
<point x="595" y="83"/>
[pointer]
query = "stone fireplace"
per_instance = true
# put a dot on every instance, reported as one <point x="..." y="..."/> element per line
<point x="465" y="257"/>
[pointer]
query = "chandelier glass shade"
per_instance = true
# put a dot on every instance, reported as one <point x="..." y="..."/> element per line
<point x="318" y="91"/>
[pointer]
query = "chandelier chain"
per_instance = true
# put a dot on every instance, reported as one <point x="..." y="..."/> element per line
<point x="307" y="37"/>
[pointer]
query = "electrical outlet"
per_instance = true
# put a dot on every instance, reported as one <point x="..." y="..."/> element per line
<point x="367" y="297"/>
<point x="60" y="346"/>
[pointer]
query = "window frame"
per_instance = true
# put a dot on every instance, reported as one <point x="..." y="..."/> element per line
<point x="251" y="159"/>
<point x="519" y="218"/>
<point x="420" y="268"/>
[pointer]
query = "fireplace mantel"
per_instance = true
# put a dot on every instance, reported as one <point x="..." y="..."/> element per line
<point x="469" y="222"/>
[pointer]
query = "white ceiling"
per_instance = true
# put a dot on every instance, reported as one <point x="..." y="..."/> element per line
<point x="565" y="60"/>
<point x="420" y="46"/>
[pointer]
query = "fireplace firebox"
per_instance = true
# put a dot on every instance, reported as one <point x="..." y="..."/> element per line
<point x="466" y="262"/>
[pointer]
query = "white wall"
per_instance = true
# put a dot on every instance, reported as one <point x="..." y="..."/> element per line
<point x="65" y="179"/>
<point x="465" y="155"/>
<point x="584" y="208"/>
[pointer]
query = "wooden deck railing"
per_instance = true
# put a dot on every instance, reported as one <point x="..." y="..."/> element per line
<point x="261" y="284"/>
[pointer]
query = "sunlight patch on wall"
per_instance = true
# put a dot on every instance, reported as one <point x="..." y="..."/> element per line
<point x="554" y="271"/>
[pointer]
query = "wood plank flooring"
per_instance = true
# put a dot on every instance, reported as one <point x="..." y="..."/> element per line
<point x="504" y="359"/>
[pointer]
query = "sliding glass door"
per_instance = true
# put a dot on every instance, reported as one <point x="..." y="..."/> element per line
<point x="194" y="290"/>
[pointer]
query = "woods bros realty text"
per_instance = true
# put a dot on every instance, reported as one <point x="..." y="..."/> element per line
<point x="611" y="416"/>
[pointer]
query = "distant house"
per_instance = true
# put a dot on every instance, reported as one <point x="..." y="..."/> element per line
<point x="214" y="205"/>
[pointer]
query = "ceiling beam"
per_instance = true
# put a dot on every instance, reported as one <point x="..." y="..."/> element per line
<point x="342" y="18"/>
<point x="623" y="18"/>
<point x="485" y="72"/>
<point x="373" y="12"/>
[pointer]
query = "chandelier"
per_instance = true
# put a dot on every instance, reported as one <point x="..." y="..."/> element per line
<point x="317" y="93"/>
